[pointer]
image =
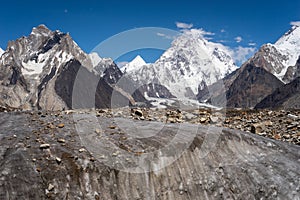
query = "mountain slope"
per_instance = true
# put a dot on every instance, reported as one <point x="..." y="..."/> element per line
<point x="251" y="86"/>
<point x="31" y="65"/>
<point x="1" y="51"/>
<point x="189" y="61"/>
<point x="287" y="96"/>
<point x="277" y="58"/>
<point x="274" y="59"/>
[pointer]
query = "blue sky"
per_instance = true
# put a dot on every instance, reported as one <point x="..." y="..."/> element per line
<point x="252" y="23"/>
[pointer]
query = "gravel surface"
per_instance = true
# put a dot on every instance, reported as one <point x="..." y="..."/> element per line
<point x="86" y="155"/>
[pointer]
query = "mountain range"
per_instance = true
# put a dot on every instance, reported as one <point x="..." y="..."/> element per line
<point x="39" y="71"/>
<point x="191" y="63"/>
<point x="270" y="68"/>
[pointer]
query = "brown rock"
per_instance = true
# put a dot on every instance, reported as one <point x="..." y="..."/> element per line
<point x="257" y="128"/>
<point x="112" y="127"/>
<point x="44" y="146"/>
<point x="213" y="119"/>
<point x="51" y="126"/>
<point x="268" y="123"/>
<point x="58" y="160"/>
<point x="50" y="187"/>
<point x="203" y="120"/>
<point x="138" y="112"/>
<point x="61" y="125"/>
<point x="61" y="140"/>
<point x="277" y="137"/>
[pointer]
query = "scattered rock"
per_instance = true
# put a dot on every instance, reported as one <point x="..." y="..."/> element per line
<point x="138" y="112"/>
<point x="189" y="116"/>
<point x="51" y="126"/>
<point x="98" y="131"/>
<point x="213" y="119"/>
<point x="112" y="127"/>
<point x="44" y="146"/>
<point x="92" y="159"/>
<point x="202" y="120"/>
<point x="82" y="150"/>
<point x="268" y="123"/>
<point x="115" y="154"/>
<point x="61" y="140"/>
<point x="58" y="160"/>
<point x="257" y="128"/>
<point x="292" y="116"/>
<point x="50" y="187"/>
<point x="61" y="125"/>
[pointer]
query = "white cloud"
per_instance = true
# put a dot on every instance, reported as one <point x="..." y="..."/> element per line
<point x="222" y="41"/>
<point x="169" y="37"/>
<point x="222" y="31"/>
<point x="295" y="23"/>
<point x="161" y="34"/>
<point x="241" y="54"/>
<point x="198" y="33"/>
<point x="252" y="44"/>
<point x="184" y="25"/>
<point x="238" y="39"/>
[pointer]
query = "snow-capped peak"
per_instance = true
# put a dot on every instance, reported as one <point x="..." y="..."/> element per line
<point x="136" y="63"/>
<point x="189" y="61"/>
<point x="289" y="45"/>
<point x="138" y="60"/>
<point x="41" y="30"/>
<point x="277" y="58"/>
<point x="95" y="58"/>
<point x="1" y="51"/>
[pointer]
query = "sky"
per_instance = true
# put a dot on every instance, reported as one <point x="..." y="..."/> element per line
<point x="236" y="24"/>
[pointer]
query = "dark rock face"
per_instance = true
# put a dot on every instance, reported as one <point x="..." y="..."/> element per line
<point x="108" y="70"/>
<point x="65" y="83"/>
<point x="112" y="75"/>
<point x="215" y="94"/>
<point x="156" y="90"/>
<point x="41" y="159"/>
<point x="251" y="86"/>
<point x="243" y="88"/>
<point x="287" y="96"/>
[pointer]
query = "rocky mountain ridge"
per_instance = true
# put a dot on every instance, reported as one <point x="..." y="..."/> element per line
<point x="278" y="57"/>
<point x="275" y="63"/>
<point x="192" y="68"/>
<point x="31" y="69"/>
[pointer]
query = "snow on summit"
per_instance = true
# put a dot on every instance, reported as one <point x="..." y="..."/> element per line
<point x="136" y="63"/>
<point x="289" y="45"/>
<point x="1" y="51"/>
<point x="282" y="55"/>
<point x="191" y="62"/>
<point x="95" y="58"/>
